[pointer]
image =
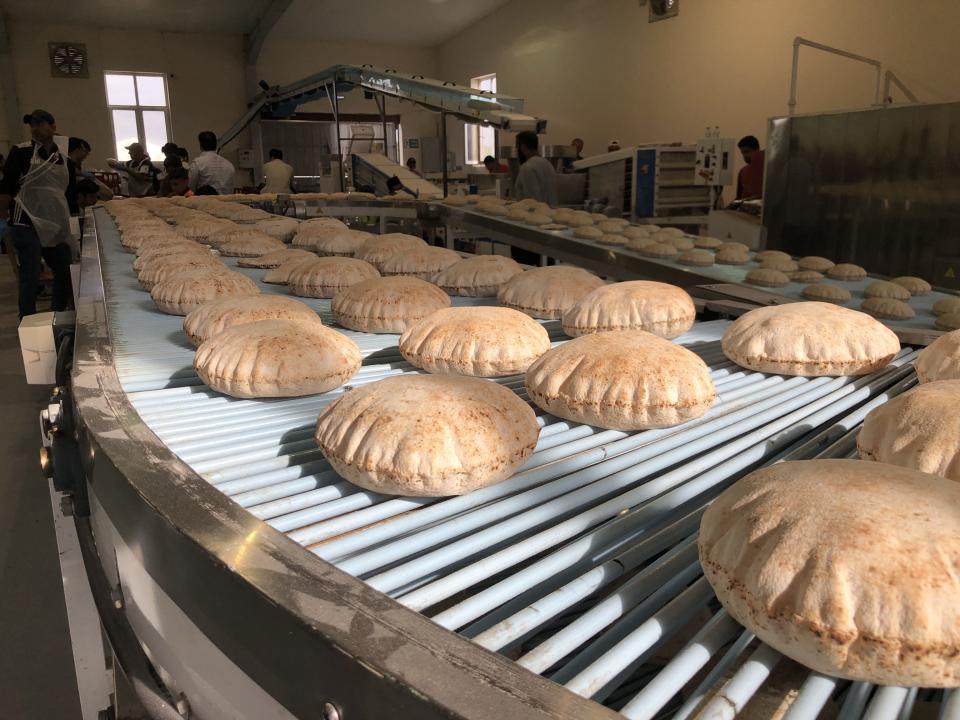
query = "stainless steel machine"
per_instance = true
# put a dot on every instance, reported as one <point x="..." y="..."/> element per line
<point x="237" y="576"/>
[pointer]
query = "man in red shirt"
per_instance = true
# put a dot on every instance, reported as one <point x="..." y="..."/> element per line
<point x="494" y="166"/>
<point x="750" y="178"/>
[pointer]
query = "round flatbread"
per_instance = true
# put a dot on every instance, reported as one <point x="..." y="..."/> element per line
<point x="815" y="262"/>
<point x="328" y="276"/>
<point x="845" y="566"/>
<point x="612" y="239"/>
<point x="680" y="242"/>
<point x="806" y="276"/>
<point x="634" y="232"/>
<point x="918" y="429"/>
<point x="947" y="321"/>
<point x="479" y="341"/>
<point x="387" y="305"/>
<point x="940" y="360"/>
<point x="656" y="307"/>
<point x="380" y="247"/>
<point x="275" y="258"/>
<point x="230" y="233"/>
<point x="914" y="285"/>
<point x="945" y="306"/>
<point x="250" y="246"/>
<point x="809" y="339"/>
<point x="547" y="292"/>
<point x="163" y="254"/>
<point x="428" y="435"/>
<point x="588" y="232"/>
<point x="732" y="245"/>
<point x="216" y="316"/>
<point x="622" y="380"/>
<point x="477" y="276"/>
<point x="174" y="266"/>
<point x="280" y="275"/>
<point x="779" y="264"/>
<point x="180" y="295"/>
<point x="339" y="243"/>
<point x="707" y="243"/>
<point x="279" y="228"/>
<point x="765" y="255"/>
<point x="276" y="358"/>
<point x="657" y="250"/>
<point x="887" y="308"/>
<point x="846" y="271"/>
<point x="765" y="277"/>
<point x="732" y="257"/>
<point x="423" y="263"/>
<point x="826" y="292"/>
<point x="883" y="289"/>
<point x="698" y="258"/>
<point x="612" y="226"/>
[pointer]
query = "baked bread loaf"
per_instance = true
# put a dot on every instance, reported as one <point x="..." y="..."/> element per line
<point x="914" y="285"/>
<point x="947" y="321"/>
<point x="163" y="254"/>
<point x="342" y="243"/>
<point x="699" y="258"/>
<point x="613" y="226"/>
<point x="656" y="307"/>
<point x="279" y="228"/>
<point x="479" y="341"/>
<point x="779" y="264"/>
<point x="765" y="255"/>
<point x="250" y="246"/>
<point x="612" y="239"/>
<point x="657" y="250"/>
<point x="945" y="306"/>
<point x="679" y="242"/>
<point x="387" y="305"/>
<point x="380" y="247"/>
<point x="940" y="360"/>
<point x="883" y="289"/>
<point x="887" y="308"/>
<point x="845" y="566"/>
<point x="477" y="276"/>
<point x="328" y="276"/>
<point x="806" y="276"/>
<point x="918" y="429"/>
<point x="276" y="358"/>
<point x="732" y="245"/>
<point x="168" y="267"/>
<point x="846" y="271"/>
<point x="766" y="277"/>
<point x="732" y="257"/>
<point x="231" y="232"/>
<point x="275" y="258"/>
<point x="428" y="435"/>
<point x="707" y="243"/>
<point x="216" y="316"/>
<point x="547" y="292"/>
<point x="826" y="292"/>
<point x="180" y="295"/>
<point x="588" y="232"/>
<point x="809" y="339"/>
<point x="622" y="380"/>
<point x="815" y="262"/>
<point x="280" y="275"/>
<point x="635" y="231"/>
<point x="424" y="262"/>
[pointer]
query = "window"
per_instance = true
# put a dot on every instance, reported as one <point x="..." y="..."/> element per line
<point x="481" y="140"/>
<point x="139" y="111"/>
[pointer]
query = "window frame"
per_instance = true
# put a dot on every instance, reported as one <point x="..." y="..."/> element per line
<point x="473" y="141"/>
<point x="138" y="109"/>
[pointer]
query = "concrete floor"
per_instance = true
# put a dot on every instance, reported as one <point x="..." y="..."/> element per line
<point x="36" y="665"/>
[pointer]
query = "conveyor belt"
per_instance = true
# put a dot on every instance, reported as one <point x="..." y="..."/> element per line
<point x="582" y="567"/>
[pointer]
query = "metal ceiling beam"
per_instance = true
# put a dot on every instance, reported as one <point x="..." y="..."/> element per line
<point x="253" y="43"/>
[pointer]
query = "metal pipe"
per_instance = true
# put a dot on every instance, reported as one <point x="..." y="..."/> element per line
<point x="795" y="68"/>
<point x="891" y="77"/>
<point x="335" y="108"/>
<point x="736" y="693"/>
<point x="443" y="152"/>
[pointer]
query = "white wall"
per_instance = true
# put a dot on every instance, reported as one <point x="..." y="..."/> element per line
<point x="597" y="69"/>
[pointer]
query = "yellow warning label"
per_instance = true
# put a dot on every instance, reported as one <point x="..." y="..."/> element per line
<point x="950" y="273"/>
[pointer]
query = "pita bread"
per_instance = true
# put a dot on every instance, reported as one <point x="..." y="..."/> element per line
<point x="947" y="321"/>
<point x="612" y="226"/>
<point x="731" y="245"/>
<point x="279" y="228"/>
<point x="806" y="276"/>
<point x="577" y="221"/>
<point x="232" y="232"/>
<point x="180" y="295"/>
<point x="537" y="219"/>
<point x="250" y="246"/>
<point x="827" y="292"/>
<point x="380" y="247"/>
<point x="845" y="566"/>
<point x="767" y="255"/>
<point x="588" y="232"/>
<point x="657" y="250"/>
<point x="660" y="309"/>
<point x="429" y="435"/>
<point x="940" y="360"/>
<point x="622" y="380"/>
<point x="766" y="277"/>
<point x="918" y="429"/>
<point x="679" y="242"/>
<point x="779" y="264"/>
<point x="275" y="258"/>
<point x="809" y="339"/>
<point x="635" y="231"/>
<point x="671" y="231"/>
<point x="914" y="285"/>
<point x="887" y="308"/>
<point x="707" y="243"/>
<point x="280" y="275"/>
<point x="200" y="229"/>
<point x="883" y="289"/>
<point x="135" y="237"/>
<point x="547" y="292"/>
<point x="321" y="221"/>
<point x="732" y="257"/>
<point x="477" y="276"/>
<point x="172" y="266"/>
<point x="162" y="255"/>
<point x="151" y="248"/>
<point x="423" y="263"/>
<point x="846" y="271"/>
<point x="479" y="341"/>
<point x="699" y="258"/>
<point x="945" y="306"/>
<point x="387" y="305"/>
<point x="276" y="358"/>
<point x="216" y="316"/>
<point x="328" y="276"/>
<point x="611" y="239"/>
<point x="815" y="262"/>
<point x="339" y="243"/>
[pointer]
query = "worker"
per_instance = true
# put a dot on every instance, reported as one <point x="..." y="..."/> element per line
<point x="33" y="198"/>
<point x="78" y="150"/>
<point x="277" y="175"/>
<point x="412" y="165"/>
<point x="577" y="145"/>
<point x="493" y="166"/>
<point x="87" y="195"/>
<point x="184" y="155"/>
<point x="141" y="174"/>
<point x="178" y="183"/>
<point x="172" y="153"/>
<point x="210" y="169"/>
<point x="750" y="177"/>
<point x="613" y="146"/>
<point x="536" y="180"/>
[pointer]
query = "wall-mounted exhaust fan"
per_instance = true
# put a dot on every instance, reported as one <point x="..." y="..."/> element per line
<point x="68" y="60"/>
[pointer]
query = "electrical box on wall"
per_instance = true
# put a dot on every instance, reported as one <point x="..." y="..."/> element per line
<point x="245" y="158"/>
<point x="714" y="161"/>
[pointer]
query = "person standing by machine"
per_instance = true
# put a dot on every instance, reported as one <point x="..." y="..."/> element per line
<point x="141" y="174"/>
<point x="536" y="180"/>
<point x="750" y="177"/>
<point x="577" y="145"/>
<point x="33" y="198"/>
<point x="210" y="169"/>
<point x="78" y="150"/>
<point x="494" y="166"/>
<point x="277" y="174"/>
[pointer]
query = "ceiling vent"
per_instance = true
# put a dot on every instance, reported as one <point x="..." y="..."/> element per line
<point x="663" y="9"/>
<point x="68" y="60"/>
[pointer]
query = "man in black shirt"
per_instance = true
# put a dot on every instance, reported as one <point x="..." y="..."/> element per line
<point x="33" y="198"/>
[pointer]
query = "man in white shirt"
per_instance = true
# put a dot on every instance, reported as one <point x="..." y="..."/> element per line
<point x="536" y="180"/>
<point x="209" y="168"/>
<point x="140" y="172"/>
<point x="277" y="175"/>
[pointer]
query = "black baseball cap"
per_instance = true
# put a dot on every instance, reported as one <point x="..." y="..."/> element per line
<point x="38" y="116"/>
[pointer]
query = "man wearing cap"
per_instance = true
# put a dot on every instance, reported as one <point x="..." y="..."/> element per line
<point x="33" y="198"/>
<point x="141" y="174"/>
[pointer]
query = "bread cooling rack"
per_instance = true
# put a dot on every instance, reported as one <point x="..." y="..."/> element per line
<point x="582" y="567"/>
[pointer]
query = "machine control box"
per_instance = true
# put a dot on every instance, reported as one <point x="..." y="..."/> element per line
<point x="714" y="163"/>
